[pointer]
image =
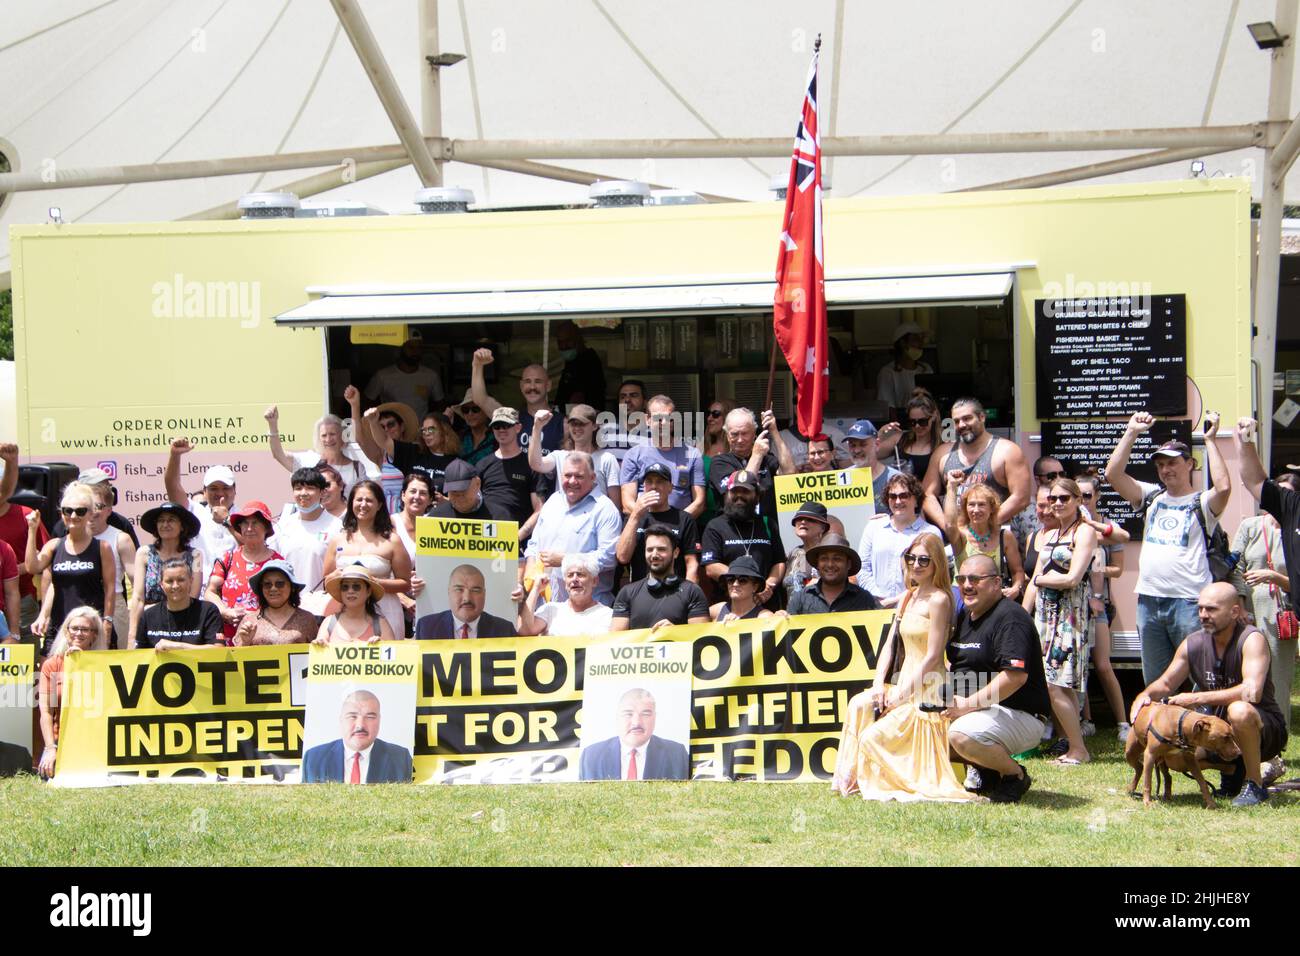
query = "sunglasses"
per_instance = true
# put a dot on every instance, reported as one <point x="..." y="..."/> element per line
<point x="715" y="413"/>
<point x="1050" y="475"/>
<point x="918" y="560"/>
<point x="1087" y="496"/>
<point x="353" y="586"/>
<point x="272" y="583"/>
<point x="79" y="512"/>
<point x="918" y="422"/>
<point x="390" y="423"/>
<point x="575" y="422"/>
<point x="1059" y="499"/>
<point x="899" y="495"/>
<point x="470" y="409"/>
<point x="501" y="426"/>
<point x="963" y="579"/>
<point x="428" y="431"/>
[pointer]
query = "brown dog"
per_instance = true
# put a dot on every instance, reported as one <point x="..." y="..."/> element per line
<point x="1163" y="730"/>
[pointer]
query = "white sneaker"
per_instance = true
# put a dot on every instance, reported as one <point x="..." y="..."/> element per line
<point x="1087" y="728"/>
<point x="1122" y="731"/>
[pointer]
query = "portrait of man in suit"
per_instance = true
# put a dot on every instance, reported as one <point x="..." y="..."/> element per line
<point x="358" y="756"/>
<point x="636" y="753"/>
<point x="465" y="618"/>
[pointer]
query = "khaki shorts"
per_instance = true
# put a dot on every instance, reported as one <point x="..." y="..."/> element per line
<point x="1013" y="730"/>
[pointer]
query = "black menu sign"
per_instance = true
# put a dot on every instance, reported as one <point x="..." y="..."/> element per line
<point x="1105" y="357"/>
<point x="1075" y="444"/>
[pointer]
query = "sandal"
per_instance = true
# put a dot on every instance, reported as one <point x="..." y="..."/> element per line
<point x="1069" y="762"/>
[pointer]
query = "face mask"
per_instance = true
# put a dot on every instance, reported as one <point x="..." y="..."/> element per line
<point x="312" y="512"/>
<point x="914" y="354"/>
<point x="568" y="354"/>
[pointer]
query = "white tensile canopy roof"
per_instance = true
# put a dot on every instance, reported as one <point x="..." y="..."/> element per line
<point x="98" y="83"/>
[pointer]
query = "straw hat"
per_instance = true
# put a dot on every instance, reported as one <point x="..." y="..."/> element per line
<point x="353" y="572"/>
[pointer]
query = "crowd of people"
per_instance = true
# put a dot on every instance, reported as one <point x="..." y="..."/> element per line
<point x="993" y="566"/>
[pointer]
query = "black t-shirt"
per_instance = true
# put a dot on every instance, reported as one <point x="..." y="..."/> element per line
<point x="1003" y="639"/>
<point x="726" y="540"/>
<point x="508" y="484"/>
<point x="722" y="467"/>
<point x="1284" y="505"/>
<point x="200" y="623"/>
<point x="484" y="512"/>
<point x="644" y="607"/>
<point x="115" y="520"/>
<point x="685" y="532"/>
<point x="408" y="457"/>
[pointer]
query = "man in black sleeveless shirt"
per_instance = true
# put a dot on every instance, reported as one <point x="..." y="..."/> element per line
<point x="984" y="457"/>
<point x="1228" y="662"/>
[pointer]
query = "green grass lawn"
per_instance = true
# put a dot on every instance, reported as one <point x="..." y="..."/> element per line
<point x="1078" y="815"/>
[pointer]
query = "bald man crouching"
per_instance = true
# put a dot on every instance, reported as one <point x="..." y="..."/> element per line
<point x="1228" y="661"/>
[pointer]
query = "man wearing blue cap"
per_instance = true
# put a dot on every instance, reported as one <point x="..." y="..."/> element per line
<point x="861" y="442"/>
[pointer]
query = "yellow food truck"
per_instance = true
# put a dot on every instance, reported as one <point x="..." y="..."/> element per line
<point x="128" y="335"/>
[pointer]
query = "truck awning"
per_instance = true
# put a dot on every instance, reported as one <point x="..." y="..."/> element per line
<point x="344" y="305"/>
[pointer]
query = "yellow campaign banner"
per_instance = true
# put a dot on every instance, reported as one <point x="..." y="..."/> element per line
<point x="213" y="713"/>
<point x="847" y="495"/>
<point x="16" y="664"/>
<point x="768" y="700"/>
<point x="466" y="538"/>
<point x="767" y="703"/>
<point x="16" y="702"/>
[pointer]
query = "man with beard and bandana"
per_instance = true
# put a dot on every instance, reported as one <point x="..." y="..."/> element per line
<point x="861" y="439"/>
<point x="408" y="381"/>
<point x="662" y="597"/>
<point x="985" y="458"/>
<point x="739" y="531"/>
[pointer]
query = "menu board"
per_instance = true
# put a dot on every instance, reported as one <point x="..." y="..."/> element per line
<point x="1076" y="444"/>
<point x="1105" y="357"/>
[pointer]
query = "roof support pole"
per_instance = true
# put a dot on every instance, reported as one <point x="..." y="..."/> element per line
<point x="1210" y="139"/>
<point x="1093" y="170"/>
<point x="381" y="77"/>
<point x="1264" y="342"/>
<point x="430" y="80"/>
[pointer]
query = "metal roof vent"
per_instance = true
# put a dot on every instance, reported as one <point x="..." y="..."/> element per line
<point x="268" y="206"/>
<point x="443" y="199"/>
<point x="619" y="192"/>
<point x="676" y="197"/>
<point x="781" y="180"/>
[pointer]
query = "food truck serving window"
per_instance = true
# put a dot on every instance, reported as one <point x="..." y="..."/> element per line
<point x="352" y="305"/>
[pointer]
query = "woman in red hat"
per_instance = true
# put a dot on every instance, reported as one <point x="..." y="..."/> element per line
<point x="229" y="587"/>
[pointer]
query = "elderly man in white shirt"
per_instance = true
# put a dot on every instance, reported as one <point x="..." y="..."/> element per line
<point x="580" y="615"/>
<point x="576" y="519"/>
<point x="884" y="539"/>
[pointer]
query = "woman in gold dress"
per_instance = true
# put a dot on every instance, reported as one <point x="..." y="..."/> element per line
<point x="895" y="740"/>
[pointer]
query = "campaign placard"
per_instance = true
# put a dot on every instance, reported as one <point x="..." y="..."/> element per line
<point x="360" y="721"/>
<point x="636" y="712"/>
<point x="469" y="569"/>
<point x="16" y="676"/>
<point x="847" y="495"/>
<point x="211" y="713"/>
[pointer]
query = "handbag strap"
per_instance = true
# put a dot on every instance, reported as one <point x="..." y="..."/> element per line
<point x="893" y="633"/>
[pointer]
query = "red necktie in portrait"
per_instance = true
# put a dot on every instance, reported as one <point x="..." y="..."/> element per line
<point x="631" y="767"/>
<point x="355" y="776"/>
<point x="464" y="632"/>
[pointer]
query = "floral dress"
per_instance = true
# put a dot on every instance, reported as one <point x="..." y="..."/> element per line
<point x="1061" y="616"/>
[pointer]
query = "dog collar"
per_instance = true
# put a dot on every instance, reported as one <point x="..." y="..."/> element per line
<point x="1181" y="743"/>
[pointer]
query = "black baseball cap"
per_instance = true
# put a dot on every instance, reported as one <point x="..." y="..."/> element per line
<point x="1172" y="449"/>
<point x="458" y="476"/>
<point x="660" y="469"/>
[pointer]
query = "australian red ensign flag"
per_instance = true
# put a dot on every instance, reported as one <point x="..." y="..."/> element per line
<point x="800" y="306"/>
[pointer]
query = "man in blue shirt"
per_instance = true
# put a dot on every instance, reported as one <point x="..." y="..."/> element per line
<point x="577" y="519"/>
<point x="685" y="463"/>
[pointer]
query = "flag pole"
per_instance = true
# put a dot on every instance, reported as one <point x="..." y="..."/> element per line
<point x="771" y="365"/>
